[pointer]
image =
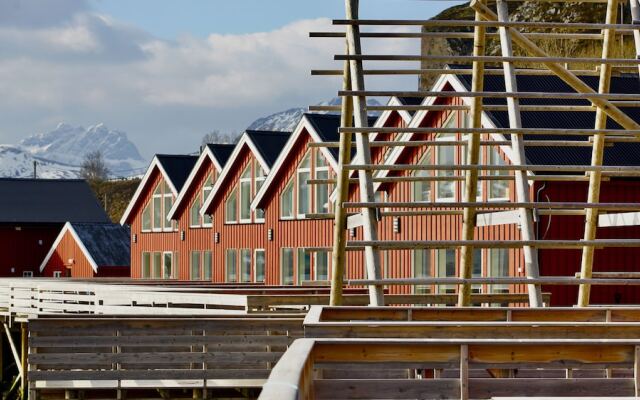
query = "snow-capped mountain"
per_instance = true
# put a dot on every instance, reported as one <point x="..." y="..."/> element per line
<point x="18" y="163"/>
<point x="67" y="144"/>
<point x="288" y="119"/>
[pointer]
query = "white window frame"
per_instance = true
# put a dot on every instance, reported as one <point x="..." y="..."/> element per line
<point x="291" y="186"/>
<point x="453" y="183"/>
<point x="203" y="257"/>
<point x="57" y="274"/>
<point x="155" y="196"/>
<point x="299" y="171"/>
<point x="503" y="288"/>
<point x="245" y="180"/>
<point x="149" y="208"/>
<point x="424" y="160"/>
<point x="444" y="289"/>
<point x="241" y="260"/>
<point x="427" y="288"/>
<point x="166" y="195"/>
<point x="172" y="274"/>
<point x="255" y="265"/>
<point x="227" y="221"/>
<point x="191" y="254"/>
<point x="316" y="263"/>
<point x="478" y="288"/>
<point x="195" y="205"/>
<point x="491" y="161"/>
<point x="304" y="252"/>
<point x="206" y="190"/>
<point x="226" y="265"/>
<point x="463" y="160"/>
<point x="150" y="254"/>
<point x="321" y="167"/>
<point x="256" y="188"/>
<point x="293" y="266"/>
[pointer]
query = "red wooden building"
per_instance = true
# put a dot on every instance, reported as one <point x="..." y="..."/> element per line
<point x="32" y="213"/>
<point x="155" y="239"/>
<point x="89" y="250"/>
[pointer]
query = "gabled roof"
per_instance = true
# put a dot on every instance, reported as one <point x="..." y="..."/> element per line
<point x="321" y="128"/>
<point x="174" y="169"/>
<point x="104" y="245"/>
<point x="48" y="201"/>
<point x="218" y="154"/>
<point x="617" y="155"/>
<point x="264" y="145"/>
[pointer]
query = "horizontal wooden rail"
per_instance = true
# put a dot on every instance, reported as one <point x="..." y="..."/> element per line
<point x="527" y="143"/>
<point x="493" y="244"/>
<point x="449" y="71"/>
<point x="545" y="280"/>
<point x="504" y="131"/>
<point x="550" y="108"/>
<point x="306" y="370"/>
<point x="486" y="59"/>
<point x="463" y="35"/>
<point x="500" y="178"/>
<point x="494" y="95"/>
<point x="497" y="205"/>
<point x="626" y="170"/>
<point x="467" y="23"/>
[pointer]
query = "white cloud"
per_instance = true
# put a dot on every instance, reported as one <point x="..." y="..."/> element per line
<point x="93" y="69"/>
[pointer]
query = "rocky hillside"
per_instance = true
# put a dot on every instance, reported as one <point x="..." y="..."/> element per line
<point x="529" y="11"/>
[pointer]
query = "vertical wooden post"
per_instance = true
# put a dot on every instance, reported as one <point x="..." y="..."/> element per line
<point x="1" y="357"/>
<point x="518" y="158"/>
<point x="24" y="350"/>
<point x="636" y="371"/>
<point x="371" y="254"/>
<point x="464" y="372"/>
<point x="635" y="16"/>
<point x="597" y="156"/>
<point x="473" y="158"/>
<point x="338" y="258"/>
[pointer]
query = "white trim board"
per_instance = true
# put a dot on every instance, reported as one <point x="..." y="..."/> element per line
<point x="619" y="219"/>
<point x="69" y="228"/>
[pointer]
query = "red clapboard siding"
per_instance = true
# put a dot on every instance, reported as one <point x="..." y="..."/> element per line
<point x="24" y="247"/>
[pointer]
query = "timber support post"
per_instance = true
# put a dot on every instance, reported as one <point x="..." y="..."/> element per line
<point x="342" y="189"/>
<point x="597" y="158"/>
<point x="522" y="184"/>
<point x="360" y="117"/>
<point x="473" y="158"/>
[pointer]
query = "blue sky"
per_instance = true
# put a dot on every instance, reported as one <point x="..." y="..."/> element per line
<point x="167" y="72"/>
<point x="171" y="18"/>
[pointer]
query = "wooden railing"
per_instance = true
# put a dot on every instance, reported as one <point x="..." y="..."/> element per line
<point x="30" y="298"/>
<point x="327" y="368"/>
<point x="477" y="323"/>
<point x="155" y="352"/>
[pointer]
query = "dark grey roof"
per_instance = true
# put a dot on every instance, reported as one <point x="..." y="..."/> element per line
<point x="269" y="143"/>
<point x="108" y="244"/>
<point x="222" y="152"/>
<point x="326" y="125"/>
<point x="178" y="167"/>
<point x="48" y="201"/>
<point x="411" y="101"/>
<point x="618" y="154"/>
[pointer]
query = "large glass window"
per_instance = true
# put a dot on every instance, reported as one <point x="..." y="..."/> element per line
<point x="322" y="204"/>
<point x="286" y="266"/>
<point x="498" y="268"/>
<point x="207" y="265"/>
<point x="446" y="259"/>
<point x="195" y="266"/>
<point x="245" y="195"/>
<point x="157" y="265"/>
<point x="206" y="190"/>
<point x="146" y="218"/>
<point x="476" y="272"/>
<point x="231" y="265"/>
<point x="422" y="268"/>
<point x="445" y="155"/>
<point x="146" y="265"/>
<point x="168" y="266"/>
<point x="422" y="189"/>
<point x="157" y="208"/>
<point x="498" y="190"/>
<point x="286" y="201"/>
<point x="259" y="265"/>
<point x="194" y="213"/>
<point x="322" y="265"/>
<point x="304" y="266"/>
<point x="231" y="208"/>
<point x="167" y="203"/>
<point x="463" y="158"/>
<point x="245" y="265"/>
<point x="303" y="175"/>
<point x="260" y="176"/>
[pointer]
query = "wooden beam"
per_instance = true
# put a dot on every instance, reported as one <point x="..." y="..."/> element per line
<point x="338" y="256"/>
<point x="563" y="73"/>
<point x="487" y="59"/>
<point x="523" y="188"/>
<point x="14" y="350"/>
<point x="635" y="16"/>
<point x="473" y="158"/>
<point x="464" y="372"/>
<point x="597" y="158"/>
<point x="371" y="255"/>
<point x="24" y="350"/>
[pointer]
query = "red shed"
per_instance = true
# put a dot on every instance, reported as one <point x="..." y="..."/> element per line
<point x="32" y="212"/>
<point x="89" y="250"/>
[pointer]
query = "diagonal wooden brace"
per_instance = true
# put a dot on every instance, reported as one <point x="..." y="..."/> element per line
<point x="567" y="76"/>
